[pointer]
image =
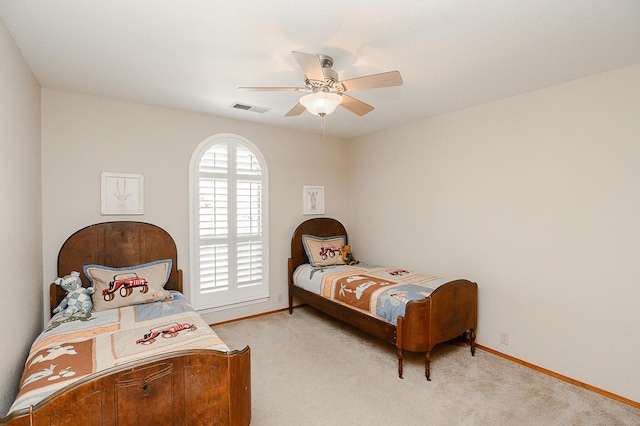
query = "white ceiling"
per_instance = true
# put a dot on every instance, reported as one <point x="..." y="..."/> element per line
<point x="194" y="54"/>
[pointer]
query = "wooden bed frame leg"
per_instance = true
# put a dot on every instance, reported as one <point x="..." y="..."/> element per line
<point x="290" y="284"/>
<point x="427" y="365"/>
<point x="472" y="341"/>
<point x="399" y="321"/>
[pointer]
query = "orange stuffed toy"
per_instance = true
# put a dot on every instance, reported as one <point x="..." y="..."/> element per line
<point x="347" y="256"/>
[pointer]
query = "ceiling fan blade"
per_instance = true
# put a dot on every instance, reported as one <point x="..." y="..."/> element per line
<point x="296" y="110"/>
<point x="274" y="89"/>
<point x="310" y="65"/>
<point x="355" y="106"/>
<point x="385" y="79"/>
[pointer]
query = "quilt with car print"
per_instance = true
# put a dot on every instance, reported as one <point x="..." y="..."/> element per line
<point x="374" y="290"/>
<point x="71" y="348"/>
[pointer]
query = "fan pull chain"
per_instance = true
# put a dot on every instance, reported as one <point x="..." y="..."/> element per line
<point x="324" y="130"/>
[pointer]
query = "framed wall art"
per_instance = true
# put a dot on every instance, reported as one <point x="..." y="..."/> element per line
<point x="312" y="199"/>
<point x="121" y="194"/>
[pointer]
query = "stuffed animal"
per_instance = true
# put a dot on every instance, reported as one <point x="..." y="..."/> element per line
<point x="347" y="256"/>
<point x="78" y="298"/>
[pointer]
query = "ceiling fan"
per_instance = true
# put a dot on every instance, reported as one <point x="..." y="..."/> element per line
<point x="326" y="91"/>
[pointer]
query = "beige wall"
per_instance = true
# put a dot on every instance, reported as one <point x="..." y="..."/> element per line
<point x="84" y="135"/>
<point x="20" y="215"/>
<point x="536" y="198"/>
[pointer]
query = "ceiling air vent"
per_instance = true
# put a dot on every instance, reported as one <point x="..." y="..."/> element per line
<point x="246" y="107"/>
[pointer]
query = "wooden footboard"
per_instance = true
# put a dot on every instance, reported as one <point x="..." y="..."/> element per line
<point x="447" y="313"/>
<point x="453" y="310"/>
<point x="193" y="387"/>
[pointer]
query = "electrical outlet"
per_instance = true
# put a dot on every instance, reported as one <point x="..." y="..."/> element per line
<point x="279" y="297"/>
<point x="504" y="338"/>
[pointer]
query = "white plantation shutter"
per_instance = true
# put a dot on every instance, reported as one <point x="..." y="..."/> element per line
<point x="229" y="238"/>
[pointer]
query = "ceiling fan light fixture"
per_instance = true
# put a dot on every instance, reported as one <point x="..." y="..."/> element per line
<point x="321" y="103"/>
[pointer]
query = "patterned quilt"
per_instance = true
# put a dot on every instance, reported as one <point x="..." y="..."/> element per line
<point x="71" y="348"/>
<point x="374" y="290"/>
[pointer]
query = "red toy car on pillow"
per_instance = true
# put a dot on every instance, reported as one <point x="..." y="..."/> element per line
<point x="124" y="283"/>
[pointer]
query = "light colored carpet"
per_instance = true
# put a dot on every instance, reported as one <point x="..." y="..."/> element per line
<point x="309" y="369"/>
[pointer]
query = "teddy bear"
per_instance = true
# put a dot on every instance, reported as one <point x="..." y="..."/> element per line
<point x="347" y="256"/>
<point x="78" y="298"/>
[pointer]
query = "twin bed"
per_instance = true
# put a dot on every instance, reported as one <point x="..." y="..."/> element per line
<point x="412" y="311"/>
<point x="155" y="362"/>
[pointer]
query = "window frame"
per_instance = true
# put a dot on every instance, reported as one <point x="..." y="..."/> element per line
<point x="261" y="292"/>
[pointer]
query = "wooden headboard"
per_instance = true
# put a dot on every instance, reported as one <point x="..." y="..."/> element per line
<point x="319" y="227"/>
<point x="117" y="245"/>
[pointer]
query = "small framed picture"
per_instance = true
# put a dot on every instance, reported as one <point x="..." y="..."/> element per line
<point x="312" y="199"/>
<point x="121" y="194"/>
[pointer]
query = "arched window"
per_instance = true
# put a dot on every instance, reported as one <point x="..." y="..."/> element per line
<point x="228" y="223"/>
